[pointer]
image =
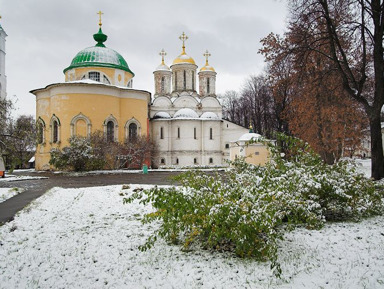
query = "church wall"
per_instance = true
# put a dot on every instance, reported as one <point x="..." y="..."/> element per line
<point x="214" y="143"/>
<point x="164" y="89"/>
<point x="189" y="149"/>
<point x="178" y="77"/>
<point x="66" y="102"/>
<point x="203" y="84"/>
<point x="230" y="133"/>
<point x="3" y="78"/>
<point x="115" y="76"/>
<point x="256" y="154"/>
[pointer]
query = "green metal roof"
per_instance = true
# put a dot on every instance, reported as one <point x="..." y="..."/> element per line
<point x="99" y="56"/>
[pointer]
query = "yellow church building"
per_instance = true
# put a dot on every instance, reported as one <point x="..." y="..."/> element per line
<point x="97" y="95"/>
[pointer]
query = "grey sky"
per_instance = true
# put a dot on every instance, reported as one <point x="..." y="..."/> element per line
<point x="44" y="36"/>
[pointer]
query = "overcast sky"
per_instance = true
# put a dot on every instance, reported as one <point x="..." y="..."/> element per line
<point x="45" y="35"/>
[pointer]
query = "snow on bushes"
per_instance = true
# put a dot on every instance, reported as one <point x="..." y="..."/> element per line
<point x="247" y="209"/>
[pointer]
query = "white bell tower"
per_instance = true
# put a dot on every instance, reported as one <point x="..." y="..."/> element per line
<point x="3" y="78"/>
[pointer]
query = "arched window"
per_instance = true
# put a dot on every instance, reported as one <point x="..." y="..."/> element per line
<point x="40" y="134"/>
<point x="55" y="129"/>
<point x="162" y="84"/>
<point x="208" y="86"/>
<point x="81" y="125"/>
<point x="193" y="80"/>
<point x="161" y="133"/>
<point x="111" y="128"/>
<point x="40" y="124"/>
<point x="55" y="132"/>
<point x="132" y="132"/>
<point x="185" y="80"/>
<point x="132" y="129"/>
<point x="210" y="133"/>
<point x="110" y="131"/>
<point x="94" y="75"/>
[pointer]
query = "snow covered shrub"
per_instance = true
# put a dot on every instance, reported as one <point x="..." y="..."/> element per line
<point x="248" y="208"/>
<point x="77" y="156"/>
<point x="338" y="190"/>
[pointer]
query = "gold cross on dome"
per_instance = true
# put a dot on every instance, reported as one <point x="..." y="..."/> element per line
<point x="183" y="38"/>
<point x="206" y="54"/>
<point x="162" y="54"/>
<point x="100" y="13"/>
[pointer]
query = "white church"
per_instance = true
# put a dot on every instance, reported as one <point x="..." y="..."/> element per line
<point x="187" y="124"/>
<point x="3" y="78"/>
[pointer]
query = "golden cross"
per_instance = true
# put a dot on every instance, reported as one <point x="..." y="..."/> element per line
<point x="162" y="54"/>
<point x="183" y="38"/>
<point x="206" y="54"/>
<point x="100" y="13"/>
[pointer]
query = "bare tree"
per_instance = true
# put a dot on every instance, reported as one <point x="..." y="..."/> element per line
<point x="20" y="140"/>
<point x="352" y="31"/>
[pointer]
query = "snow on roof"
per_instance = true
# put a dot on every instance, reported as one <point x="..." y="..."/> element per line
<point x="163" y="67"/>
<point x="91" y="81"/>
<point x="162" y="114"/>
<point x="249" y="136"/>
<point x="86" y="80"/>
<point x="185" y="113"/>
<point x="32" y="159"/>
<point x="210" y="115"/>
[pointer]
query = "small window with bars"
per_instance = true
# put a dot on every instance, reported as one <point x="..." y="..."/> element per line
<point x="94" y="76"/>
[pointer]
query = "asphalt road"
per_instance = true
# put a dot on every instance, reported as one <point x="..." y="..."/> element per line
<point x="36" y="187"/>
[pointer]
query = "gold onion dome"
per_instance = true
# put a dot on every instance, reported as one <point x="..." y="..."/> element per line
<point x="183" y="57"/>
<point x="207" y="67"/>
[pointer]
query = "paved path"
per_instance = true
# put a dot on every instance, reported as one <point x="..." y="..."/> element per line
<point x="36" y="187"/>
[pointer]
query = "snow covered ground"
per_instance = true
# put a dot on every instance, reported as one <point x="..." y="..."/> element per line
<point x="7" y="193"/>
<point x="13" y="178"/>
<point x="87" y="238"/>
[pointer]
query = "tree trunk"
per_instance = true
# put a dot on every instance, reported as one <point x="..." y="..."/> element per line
<point x="377" y="169"/>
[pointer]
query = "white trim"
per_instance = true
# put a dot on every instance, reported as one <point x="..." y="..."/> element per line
<point x="126" y="127"/>
<point x="41" y="122"/>
<point x="78" y="117"/>
<point x="116" y="127"/>
<point x="54" y="118"/>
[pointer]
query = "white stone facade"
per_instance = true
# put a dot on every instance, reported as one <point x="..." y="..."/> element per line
<point x="187" y="126"/>
<point x="3" y="78"/>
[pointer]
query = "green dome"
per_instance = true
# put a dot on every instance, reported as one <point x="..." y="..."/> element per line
<point x="99" y="55"/>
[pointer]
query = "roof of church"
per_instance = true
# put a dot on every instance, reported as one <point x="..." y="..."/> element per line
<point x="207" y="67"/>
<point x="99" y="56"/>
<point x="249" y="136"/>
<point x="183" y="57"/>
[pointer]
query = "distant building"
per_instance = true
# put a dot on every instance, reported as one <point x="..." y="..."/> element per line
<point x="250" y="147"/>
<point x="3" y="77"/>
